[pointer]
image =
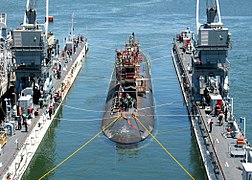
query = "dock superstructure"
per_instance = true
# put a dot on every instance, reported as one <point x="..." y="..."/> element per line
<point x="202" y="67"/>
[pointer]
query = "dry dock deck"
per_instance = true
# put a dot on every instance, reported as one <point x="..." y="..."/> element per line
<point x="220" y="149"/>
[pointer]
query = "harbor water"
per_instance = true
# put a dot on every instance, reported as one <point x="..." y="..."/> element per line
<point x="107" y="25"/>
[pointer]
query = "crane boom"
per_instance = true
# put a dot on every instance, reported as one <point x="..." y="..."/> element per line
<point x="31" y="15"/>
<point x="213" y="13"/>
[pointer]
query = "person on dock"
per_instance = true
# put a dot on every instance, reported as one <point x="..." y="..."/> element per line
<point x="220" y="118"/>
<point x="41" y="102"/>
<point x="210" y="123"/>
<point x="26" y="125"/>
<point x="203" y="102"/>
<point x="226" y="113"/>
<point x="24" y="117"/>
<point x="20" y="113"/>
<point x="19" y="123"/>
<point x="50" y="112"/>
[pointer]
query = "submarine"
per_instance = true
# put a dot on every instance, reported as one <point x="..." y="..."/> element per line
<point x="129" y="108"/>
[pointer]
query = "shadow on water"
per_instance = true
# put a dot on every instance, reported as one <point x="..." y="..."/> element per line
<point x="197" y="165"/>
<point x="127" y="151"/>
<point x="44" y="158"/>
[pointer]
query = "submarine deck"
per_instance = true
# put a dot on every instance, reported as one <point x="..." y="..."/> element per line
<point x="127" y="127"/>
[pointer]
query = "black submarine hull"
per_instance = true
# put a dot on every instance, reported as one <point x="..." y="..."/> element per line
<point x="132" y="126"/>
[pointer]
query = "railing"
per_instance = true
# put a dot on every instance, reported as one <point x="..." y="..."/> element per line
<point x="210" y="146"/>
<point x="197" y="118"/>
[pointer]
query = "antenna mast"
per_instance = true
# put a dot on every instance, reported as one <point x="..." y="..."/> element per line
<point x="197" y="16"/>
<point x="47" y="18"/>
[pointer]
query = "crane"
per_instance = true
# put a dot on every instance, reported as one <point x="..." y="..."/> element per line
<point x="31" y="15"/>
<point x="213" y="9"/>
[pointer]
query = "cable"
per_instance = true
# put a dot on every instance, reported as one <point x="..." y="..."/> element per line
<point x="156" y="115"/>
<point x="80" y="148"/>
<point x="106" y="78"/>
<point x="110" y="48"/>
<point x="155" y="59"/>
<point x="102" y="47"/>
<point x="78" y="120"/>
<point x="160" y="105"/>
<point x="134" y="116"/>
<point x="90" y="110"/>
<point x="112" y="122"/>
<point x="153" y="47"/>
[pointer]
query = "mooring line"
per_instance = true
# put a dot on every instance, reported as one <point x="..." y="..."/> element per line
<point x="182" y="167"/>
<point x="80" y="148"/>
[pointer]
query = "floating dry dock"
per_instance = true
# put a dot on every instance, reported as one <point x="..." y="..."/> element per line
<point x="15" y="158"/>
<point x="43" y="77"/>
<point x="201" y="64"/>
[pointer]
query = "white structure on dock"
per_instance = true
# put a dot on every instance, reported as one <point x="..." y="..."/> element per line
<point x="5" y="55"/>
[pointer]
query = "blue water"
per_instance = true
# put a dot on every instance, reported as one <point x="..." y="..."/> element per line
<point x="107" y="25"/>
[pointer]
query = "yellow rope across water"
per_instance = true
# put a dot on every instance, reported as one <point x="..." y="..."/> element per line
<point x="134" y="116"/>
<point x="71" y="155"/>
<point x="182" y="167"/>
